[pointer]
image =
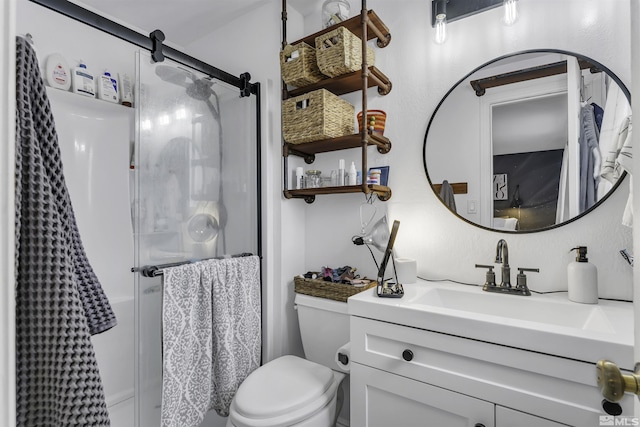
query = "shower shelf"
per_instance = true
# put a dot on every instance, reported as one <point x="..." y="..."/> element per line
<point x="368" y="23"/>
<point x="94" y="104"/>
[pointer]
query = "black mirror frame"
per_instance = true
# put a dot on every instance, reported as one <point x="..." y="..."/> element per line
<point x="612" y="75"/>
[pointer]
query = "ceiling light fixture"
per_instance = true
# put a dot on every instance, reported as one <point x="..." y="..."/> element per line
<point x="440" y="13"/>
<point x="510" y="12"/>
<point x="444" y="12"/>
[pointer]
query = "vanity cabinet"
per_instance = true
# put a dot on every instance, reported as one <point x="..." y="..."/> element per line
<point x="382" y="399"/>
<point x="391" y="400"/>
<point x="414" y="377"/>
<point x="366" y="26"/>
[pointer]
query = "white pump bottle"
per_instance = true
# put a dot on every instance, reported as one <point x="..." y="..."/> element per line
<point x="582" y="277"/>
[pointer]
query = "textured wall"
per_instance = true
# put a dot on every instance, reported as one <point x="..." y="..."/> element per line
<point x="422" y="72"/>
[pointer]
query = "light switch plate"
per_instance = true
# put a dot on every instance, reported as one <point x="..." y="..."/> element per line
<point x="472" y="206"/>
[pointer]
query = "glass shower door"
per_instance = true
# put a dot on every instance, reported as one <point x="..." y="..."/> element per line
<point x="195" y="193"/>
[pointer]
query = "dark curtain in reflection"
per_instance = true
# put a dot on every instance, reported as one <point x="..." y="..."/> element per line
<point x="536" y="175"/>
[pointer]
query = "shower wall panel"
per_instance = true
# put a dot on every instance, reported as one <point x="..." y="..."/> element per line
<point x="95" y="138"/>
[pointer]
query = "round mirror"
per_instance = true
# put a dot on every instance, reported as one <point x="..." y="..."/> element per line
<point x="529" y="141"/>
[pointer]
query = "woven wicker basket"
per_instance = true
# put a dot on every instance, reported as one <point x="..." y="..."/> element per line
<point x="340" y="52"/>
<point x="300" y="71"/>
<point x="329" y="290"/>
<point x="316" y="115"/>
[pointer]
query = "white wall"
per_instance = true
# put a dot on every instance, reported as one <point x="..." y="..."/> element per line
<point x="422" y="72"/>
<point x="256" y="46"/>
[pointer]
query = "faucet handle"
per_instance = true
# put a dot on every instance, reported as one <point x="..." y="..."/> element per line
<point x="521" y="282"/>
<point x="490" y="280"/>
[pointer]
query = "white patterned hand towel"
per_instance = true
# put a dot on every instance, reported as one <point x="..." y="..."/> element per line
<point x="236" y="325"/>
<point x="186" y="346"/>
<point x="211" y="336"/>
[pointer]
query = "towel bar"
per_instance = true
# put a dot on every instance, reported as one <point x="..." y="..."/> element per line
<point x="156" y="270"/>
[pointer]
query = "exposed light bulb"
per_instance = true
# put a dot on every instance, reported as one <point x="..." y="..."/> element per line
<point x="510" y="11"/>
<point x="441" y="28"/>
<point x="440" y="12"/>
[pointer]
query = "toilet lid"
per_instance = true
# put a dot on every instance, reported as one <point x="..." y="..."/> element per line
<point x="282" y="386"/>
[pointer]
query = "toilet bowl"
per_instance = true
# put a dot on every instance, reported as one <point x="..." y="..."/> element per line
<point x="290" y="390"/>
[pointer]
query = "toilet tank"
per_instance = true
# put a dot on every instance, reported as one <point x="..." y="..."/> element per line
<point x="324" y="328"/>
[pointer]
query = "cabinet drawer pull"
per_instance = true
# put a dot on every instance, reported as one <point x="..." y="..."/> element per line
<point x="479" y="425"/>
<point x="407" y="355"/>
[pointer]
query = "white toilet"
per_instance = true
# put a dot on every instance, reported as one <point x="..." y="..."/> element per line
<point x="291" y="391"/>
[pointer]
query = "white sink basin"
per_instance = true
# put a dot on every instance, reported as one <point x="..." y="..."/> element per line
<point x="567" y="315"/>
<point x="549" y="324"/>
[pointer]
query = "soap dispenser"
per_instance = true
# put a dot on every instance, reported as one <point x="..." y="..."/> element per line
<point x="582" y="277"/>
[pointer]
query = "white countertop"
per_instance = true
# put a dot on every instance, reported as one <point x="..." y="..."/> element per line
<point x="545" y="323"/>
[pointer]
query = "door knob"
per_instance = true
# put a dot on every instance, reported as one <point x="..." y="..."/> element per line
<point x="613" y="384"/>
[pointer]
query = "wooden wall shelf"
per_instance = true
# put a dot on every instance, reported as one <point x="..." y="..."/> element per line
<point x="308" y="194"/>
<point x="366" y="26"/>
<point x="458" y="187"/>
<point x="336" y="144"/>
<point x="376" y="27"/>
<point x="347" y="83"/>
<point x="481" y="85"/>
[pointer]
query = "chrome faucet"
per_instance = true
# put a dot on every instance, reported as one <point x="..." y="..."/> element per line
<point x="502" y="257"/>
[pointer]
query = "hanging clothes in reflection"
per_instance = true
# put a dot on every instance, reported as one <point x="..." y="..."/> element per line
<point x="617" y="110"/>
<point x="447" y="195"/>
<point x="590" y="158"/>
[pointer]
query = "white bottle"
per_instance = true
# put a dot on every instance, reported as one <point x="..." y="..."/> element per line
<point x="83" y="81"/>
<point x="57" y="73"/>
<point x="341" y="173"/>
<point x="299" y="178"/>
<point x="126" y="90"/>
<point x="582" y="277"/>
<point x="353" y="173"/>
<point x="108" y="88"/>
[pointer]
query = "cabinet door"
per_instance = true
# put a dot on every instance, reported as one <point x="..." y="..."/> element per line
<point x="381" y="399"/>
<point x="506" y="417"/>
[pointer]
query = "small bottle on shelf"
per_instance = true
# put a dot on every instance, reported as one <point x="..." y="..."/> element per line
<point x="351" y="180"/>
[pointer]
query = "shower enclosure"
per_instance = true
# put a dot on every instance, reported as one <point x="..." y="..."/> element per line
<point x="196" y="193"/>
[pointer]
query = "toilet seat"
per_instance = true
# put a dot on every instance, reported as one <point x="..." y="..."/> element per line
<point x="283" y="392"/>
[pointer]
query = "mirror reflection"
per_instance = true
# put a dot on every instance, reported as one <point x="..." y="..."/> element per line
<point x="529" y="141"/>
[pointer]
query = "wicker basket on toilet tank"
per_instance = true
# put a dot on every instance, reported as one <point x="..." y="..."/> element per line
<point x="330" y="290"/>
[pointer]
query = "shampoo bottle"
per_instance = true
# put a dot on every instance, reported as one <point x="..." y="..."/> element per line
<point x="352" y="174"/>
<point x="126" y="90"/>
<point x="57" y="73"/>
<point x="582" y="277"/>
<point x="82" y="81"/>
<point x="108" y="88"/>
